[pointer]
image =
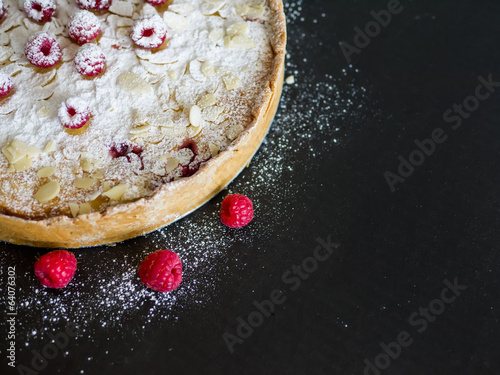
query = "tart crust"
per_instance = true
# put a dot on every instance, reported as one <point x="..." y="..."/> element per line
<point x="173" y="200"/>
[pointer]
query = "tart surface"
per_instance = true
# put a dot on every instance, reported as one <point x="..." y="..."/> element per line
<point x="169" y="127"/>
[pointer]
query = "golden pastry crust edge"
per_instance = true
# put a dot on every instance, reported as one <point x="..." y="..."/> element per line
<point x="171" y="201"/>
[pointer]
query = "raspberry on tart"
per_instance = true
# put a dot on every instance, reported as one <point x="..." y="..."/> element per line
<point x="83" y="27"/>
<point x="90" y="60"/>
<point x="94" y="4"/>
<point x="42" y="50"/>
<point x="40" y="10"/>
<point x="149" y="31"/>
<point x="2" y="10"/>
<point x="156" y="2"/>
<point x="74" y="113"/>
<point x="55" y="269"/>
<point x="5" y="85"/>
<point x="161" y="271"/>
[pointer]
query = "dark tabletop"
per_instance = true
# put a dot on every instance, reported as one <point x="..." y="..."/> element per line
<point x="374" y="247"/>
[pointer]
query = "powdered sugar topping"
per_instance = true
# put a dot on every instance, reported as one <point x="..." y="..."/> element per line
<point x="143" y="98"/>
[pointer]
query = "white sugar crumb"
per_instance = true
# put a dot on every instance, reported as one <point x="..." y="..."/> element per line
<point x="290" y="80"/>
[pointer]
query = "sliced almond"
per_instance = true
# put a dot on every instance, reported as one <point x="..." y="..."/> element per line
<point x="74" y="208"/>
<point x="254" y="12"/>
<point x="175" y="21"/>
<point x="216" y="34"/>
<point x="46" y="172"/>
<point x="50" y="147"/>
<point x="23" y="164"/>
<point x="25" y="149"/>
<point x="195" y="116"/>
<point x="240" y="28"/>
<point x="140" y="129"/>
<point x="207" y="69"/>
<point x="11" y="169"/>
<point x="98" y="175"/>
<point x="43" y="112"/>
<point x="232" y="82"/>
<point x="48" y="192"/>
<point x="173" y="74"/>
<point x="181" y="8"/>
<point x="85" y="208"/>
<point x="207" y="101"/>
<point x="214" y="149"/>
<point x="238" y="42"/>
<point x="122" y="8"/>
<point x="10" y="154"/>
<point x="134" y="83"/>
<point x="106" y="186"/>
<point x="87" y="165"/>
<point x="116" y="193"/>
<point x="172" y="163"/>
<point x="84" y="183"/>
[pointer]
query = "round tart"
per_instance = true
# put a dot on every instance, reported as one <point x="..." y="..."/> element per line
<point x="132" y="119"/>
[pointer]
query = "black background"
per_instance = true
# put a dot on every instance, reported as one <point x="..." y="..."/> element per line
<point x="320" y="174"/>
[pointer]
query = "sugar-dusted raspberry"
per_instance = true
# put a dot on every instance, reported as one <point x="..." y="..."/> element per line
<point x="5" y="85"/>
<point x="94" y="4"/>
<point x="161" y="271"/>
<point x="55" y="269"/>
<point x="40" y="10"/>
<point x="42" y="50"/>
<point x="156" y="2"/>
<point x="236" y="211"/>
<point x="149" y="31"/>
<point x="74" y="113"/>
<point x="90" y="60"/>
<point x="2" y="9"/>
<point x="83" y="26"/>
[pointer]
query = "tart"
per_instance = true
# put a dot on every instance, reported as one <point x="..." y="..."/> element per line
<point x="118" y="118"/>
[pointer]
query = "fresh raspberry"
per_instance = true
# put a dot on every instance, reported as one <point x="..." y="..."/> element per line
<point x="74" y="113"/>
<point x="94" y="4"/>
<point x="40" y="10"/>
<point x="42" y="50"/>
<point x="55" y="269"/>
<point x="5" y="85"/>
<point x="149" y="31"/>
<point x="156" y="2"/>
<point x="2" y="10"/>
<point x="161" y="271"/>
<point x="83" y="26"/>
<point x="236" y="211"/>
<point x="89" y="60"/>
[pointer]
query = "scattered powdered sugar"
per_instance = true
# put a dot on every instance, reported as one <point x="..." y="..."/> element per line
<point x="314" y="120"/>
